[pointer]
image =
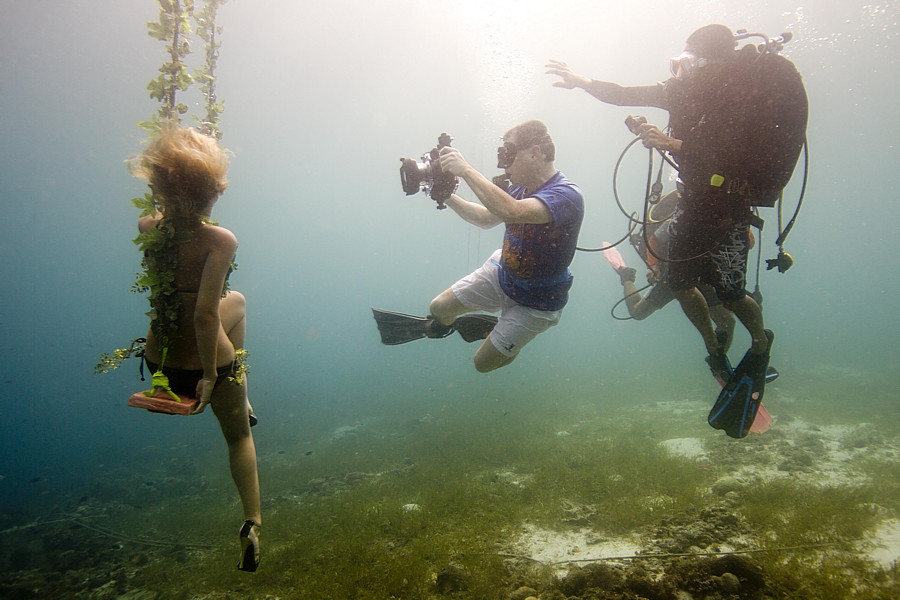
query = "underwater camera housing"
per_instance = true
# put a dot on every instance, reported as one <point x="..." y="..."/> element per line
<point x="427" y="176"/>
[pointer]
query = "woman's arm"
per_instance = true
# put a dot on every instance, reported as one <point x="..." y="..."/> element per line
<point x="223" y="245"/>
<point x="148" y="222"/>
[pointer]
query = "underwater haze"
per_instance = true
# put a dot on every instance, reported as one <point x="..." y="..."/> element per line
<point x="321" y="100"/>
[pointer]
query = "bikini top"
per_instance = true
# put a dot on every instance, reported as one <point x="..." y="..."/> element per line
<point x="193" y="287"/>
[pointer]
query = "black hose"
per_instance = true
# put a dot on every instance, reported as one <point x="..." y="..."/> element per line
<point x="616" y="305"/>
<point x="782" y="234"/>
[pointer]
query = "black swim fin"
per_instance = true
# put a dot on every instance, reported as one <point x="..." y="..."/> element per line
<point x="398" y="328"/>
<point x="475" y="327"/>
<point x="735" y="408"/>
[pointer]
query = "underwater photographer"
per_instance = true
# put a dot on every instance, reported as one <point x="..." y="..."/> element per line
<point x="737" y="127"/>
<point x="528" y="280"/>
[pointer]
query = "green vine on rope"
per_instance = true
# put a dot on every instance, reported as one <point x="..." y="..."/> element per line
<point x="160" y="249"/>
<point x="111" y="361"/>
<point x="174" y="28"/>
<point x="159" y="245"/>
<point x="206" y="75"/>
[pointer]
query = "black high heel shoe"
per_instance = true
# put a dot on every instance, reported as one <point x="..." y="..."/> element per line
<point x="249" y="546"/>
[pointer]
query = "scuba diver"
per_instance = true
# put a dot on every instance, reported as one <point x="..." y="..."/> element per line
<point x="655" y="234"/>
<point x="737" y="127"/>
<point x="528" y="279"/>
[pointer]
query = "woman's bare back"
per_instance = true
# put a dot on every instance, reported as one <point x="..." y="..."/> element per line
<point x="205" y="258"/>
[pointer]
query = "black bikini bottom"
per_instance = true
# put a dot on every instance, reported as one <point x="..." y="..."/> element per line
<point x="184" y="381"/>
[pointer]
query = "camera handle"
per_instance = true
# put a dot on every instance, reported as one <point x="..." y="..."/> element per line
<point x="444" y="184"/>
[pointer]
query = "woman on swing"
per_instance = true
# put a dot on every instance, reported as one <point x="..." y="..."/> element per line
<point x="198" y="327"/>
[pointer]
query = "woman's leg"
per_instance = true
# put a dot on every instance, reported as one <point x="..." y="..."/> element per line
<point x="229" y="403"/>
<point x="233" y="315"/>
<point x="231" y="406"/>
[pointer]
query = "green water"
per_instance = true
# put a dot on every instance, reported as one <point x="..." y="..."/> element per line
<point x="100" y="501"/>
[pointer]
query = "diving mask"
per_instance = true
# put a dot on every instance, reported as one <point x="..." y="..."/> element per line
<point x="685" y="64"/>
<point x="506" y="155"/>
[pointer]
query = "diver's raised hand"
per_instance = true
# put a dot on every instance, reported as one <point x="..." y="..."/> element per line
<point x="570" y="79"/>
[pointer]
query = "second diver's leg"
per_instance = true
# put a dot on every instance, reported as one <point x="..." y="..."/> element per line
<point x="731" y="261"/>
<point x="697" y="311"/>
<point x="724" y="321"/>
<point x="749" y="313"/>
<point x="638" y="308"/>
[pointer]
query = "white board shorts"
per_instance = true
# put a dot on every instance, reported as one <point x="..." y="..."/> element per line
<point x="518" y="325"/>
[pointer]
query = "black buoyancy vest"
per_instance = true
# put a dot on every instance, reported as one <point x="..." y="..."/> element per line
<point x="745" y="125"/>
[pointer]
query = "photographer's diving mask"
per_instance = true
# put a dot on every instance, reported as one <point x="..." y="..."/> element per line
<point x="506" y="155"/>
<point x="685" y="64"/>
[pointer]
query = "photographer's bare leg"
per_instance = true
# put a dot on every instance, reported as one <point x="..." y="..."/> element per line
<point x="445" y="308"/>
<point x="488" y="358"/>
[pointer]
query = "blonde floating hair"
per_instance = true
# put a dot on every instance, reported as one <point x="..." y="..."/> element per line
<point x="186" y="169"/>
